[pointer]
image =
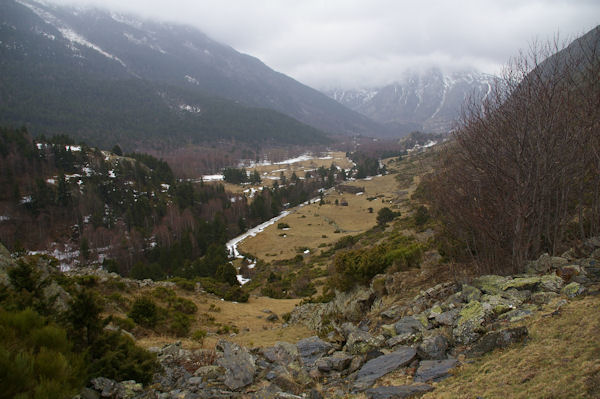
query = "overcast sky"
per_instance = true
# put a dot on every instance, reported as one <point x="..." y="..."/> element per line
<point x="361" y="43"/>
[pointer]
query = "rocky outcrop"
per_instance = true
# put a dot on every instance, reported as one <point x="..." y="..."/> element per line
<point x="380" y="366"/>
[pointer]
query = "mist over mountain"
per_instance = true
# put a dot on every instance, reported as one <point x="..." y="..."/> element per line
<point x="96" y="74"/>
<point x="428" y="101"/>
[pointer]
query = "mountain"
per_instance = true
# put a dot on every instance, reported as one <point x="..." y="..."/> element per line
<point x="93" y="74"/>
<point x="429" y="101"/>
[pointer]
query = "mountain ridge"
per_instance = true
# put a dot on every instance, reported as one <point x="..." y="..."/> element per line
<point x="429" y="100"/>
<point x="62" y="47"/>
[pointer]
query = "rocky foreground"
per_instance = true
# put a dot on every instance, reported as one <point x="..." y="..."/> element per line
<point x="421" y="340"/>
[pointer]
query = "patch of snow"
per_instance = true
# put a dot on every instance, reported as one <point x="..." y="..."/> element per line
<point x="73" y="148"/>
<point x="190" y="108"/>
<point x="87" y="170"/>
<point x="165" y="186"/>
<point x="360" y="193"/>
<point x="301" y="158"/>
<point x="306" y="251"/>
<point x="26" y="199"/>
<point x="111" y="173"/>
<point x="191" y="79"/>
<point x="4" y="218"/>
<point x="213" y="177"/>
<point x="241" y="279"/>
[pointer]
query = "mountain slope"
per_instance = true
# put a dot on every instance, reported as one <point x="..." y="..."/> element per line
<point x="428" y="101"/>
<point x="87" y="71"/>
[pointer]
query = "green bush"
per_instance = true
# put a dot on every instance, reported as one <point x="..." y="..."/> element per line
<point x="144" y="312"/>
<point x="184" y="305"/>
<point x="421" y="216"/>
<point x="345" y="242"/>
<point x="281" y="226"/>
<point x="180" y="324"/>
<point x="199" y="336"/>
<point x="405" y="257"/>
<point x="117" y="357"/>
<point x="236" y="294"/>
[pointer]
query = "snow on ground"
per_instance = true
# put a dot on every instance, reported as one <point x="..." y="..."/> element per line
<point x="50" y="181"/>
<point x="241" y="279"/>
<point x="303" y="157"/>
<point x="213" y="177"/>
<point x="4" y="218"/>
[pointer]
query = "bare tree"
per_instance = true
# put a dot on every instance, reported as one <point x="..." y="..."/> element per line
<point x="524" y="166"/>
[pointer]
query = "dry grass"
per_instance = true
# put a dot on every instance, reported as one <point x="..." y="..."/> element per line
<point x="560" y="360"/>
<point x="309" y="224"/>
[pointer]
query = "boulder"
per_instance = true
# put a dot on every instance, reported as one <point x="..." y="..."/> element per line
<point x="545" y="263"/>
<point x="433" y="347"/>
<point x="360" y="342"/>
<point x="312" y="348"/>
<point x="543" y="297"/>
<point x="573" y="289"/>
<point x="380" y="366"/>
<point x="210" y="373"/>
<point x="57" y="296"/>
<point x="470" y="322"/>
<point x="434" y="370"/>
<point x="393" y="313"/>
<point x="408" y="325"/>
<point x="551" y="283"/>
<point x="470" y="293"/>
<point x="489" y="284"/>
<point x="498" y="339"/>
<point x="339" y="361"/>
<point x="283" y="353"/>
<point x="396" y="392"/>
<point x="516" y="315"/>
<point x="523" y="283"/>
<point x="498" y="304"/>
<point x="447" y="318"/>
<point x="239" y="365"/>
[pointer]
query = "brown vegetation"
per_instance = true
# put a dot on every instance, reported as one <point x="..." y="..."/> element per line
<point x="522" y="176"/>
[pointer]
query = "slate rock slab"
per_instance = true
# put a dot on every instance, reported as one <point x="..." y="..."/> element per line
<point x="239" y="365"/>
<point x="311" y="349"/>
<point x="498" y="339"/>
<point x="434" y="370"/>
<point x="380" y="366"/>
<point x="401" y="391"/>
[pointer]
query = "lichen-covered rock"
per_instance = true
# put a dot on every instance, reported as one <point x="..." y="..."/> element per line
<point x="523" y="283"/>
<point x="388" y="330"/>
<point x="498" y="303"/>
<point x="239" y="365"/>
<point x="360" y="342"/>
<point x="489" y="284"/>
<point x="573" y="289"/>
<point x="433" y="347"/>
<point x="517" y="314"/>
<point x="551" y="283"/>
<point x="543" y="297"/>
<point x="435" y="311"/>
<point x="57" y="296"/>
<point x="545" y="263"/>
<point x="470" y="322"/>
<point x="470" y="293"/>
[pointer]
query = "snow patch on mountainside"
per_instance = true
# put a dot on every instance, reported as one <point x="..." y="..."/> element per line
<point x="67" y="32"/>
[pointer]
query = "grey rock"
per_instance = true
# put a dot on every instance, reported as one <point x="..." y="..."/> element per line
<point x="434" y="370"/>
<point x="239" y="365"/>
<point x="469" y="325"/>
<point x="408" y="325"/>
<point x="105" y="386"/>
<point x="573" y="289"/>
<point x="498" y="339"/>
<point x="380" y="366"/>
<point x="470" y="293"/>
<point x="312" y="348"/>
<point x="404" y="339"/>
<point x="433" y="347"/>
<point x="282" y="353"/>
<point x="398" y="392"/>
<point x="542" y="298"/>
<point x="339" y="361"/>
<point x="489" y="284"/>
<point x="210" y="373"/>
<point x="393" y="313"/>
<point x="87" y="393"/>
<point x="272" y="317"/>
<point x="516" y="315"/>
<point x="57" y="296"/>
<point x="447" y="318"/>
<point x="360" y="342"/>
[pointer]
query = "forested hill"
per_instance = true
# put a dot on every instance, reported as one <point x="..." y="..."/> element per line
<point x="101" y="77"/>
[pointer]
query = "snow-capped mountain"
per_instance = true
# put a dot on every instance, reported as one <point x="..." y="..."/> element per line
<point x="89" y="71"/>
<point x="429" y="101"/>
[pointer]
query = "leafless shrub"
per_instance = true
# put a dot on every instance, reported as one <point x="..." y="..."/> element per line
<point x="525" y="167"/>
